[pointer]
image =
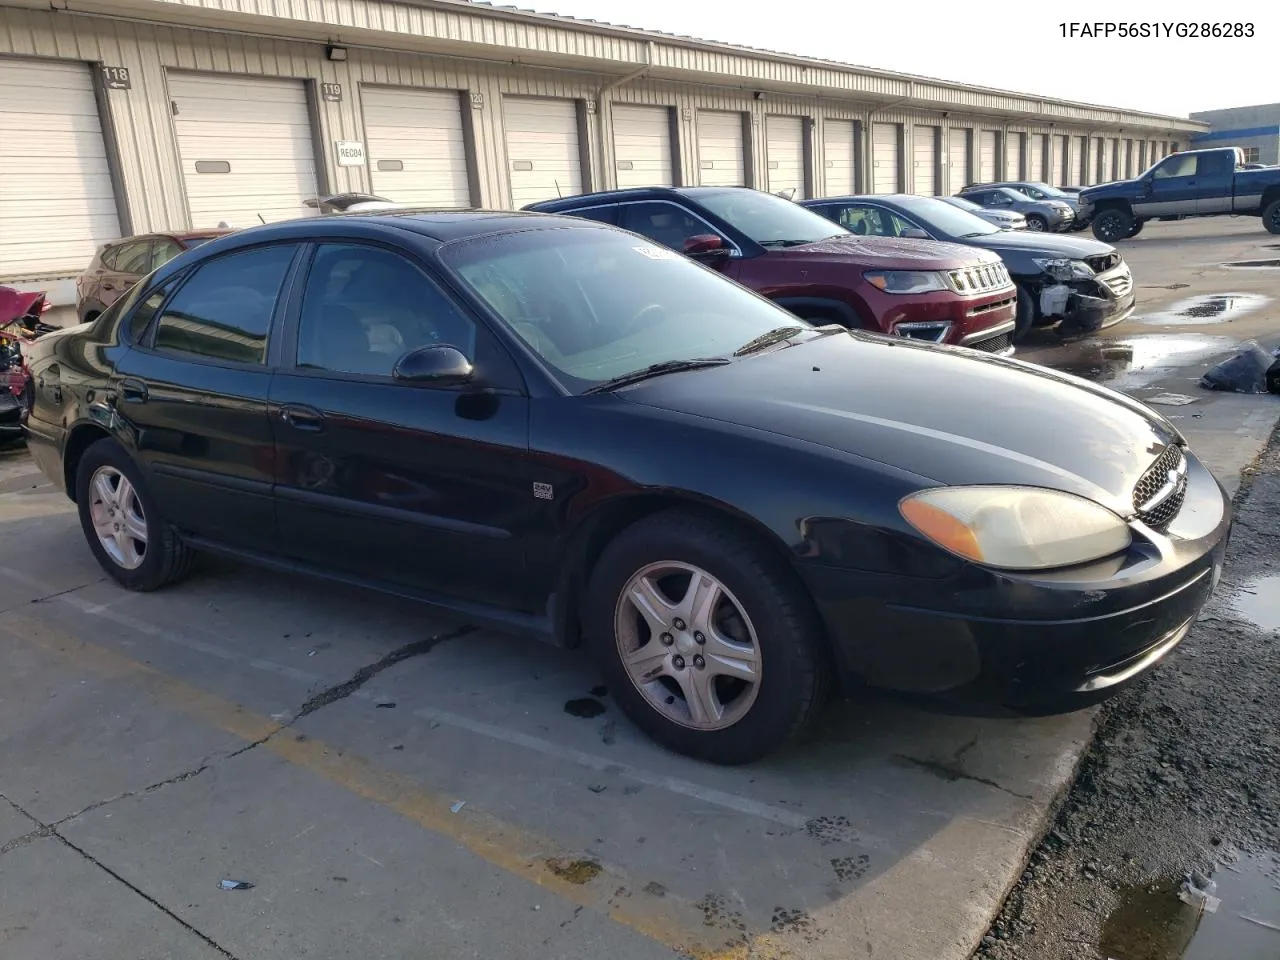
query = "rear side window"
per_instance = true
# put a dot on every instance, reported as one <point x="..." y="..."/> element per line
<point x="607" y="215"/>
<point x="665" y="223"/>
<point x="224" y="311"/>
<point x="134" y="258"/>
<point x="144" y="313"/>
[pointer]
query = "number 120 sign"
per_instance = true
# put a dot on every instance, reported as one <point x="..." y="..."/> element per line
<point x="350" y="153"/>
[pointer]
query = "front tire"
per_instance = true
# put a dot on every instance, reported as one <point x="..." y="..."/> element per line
<point x="1112" y="225"/>
<point x="1037" y="223"/>
<point x="708" y="642"/>
<point x="1025" y="318"/>
<point x="1271" y="216"/>
<point x="132" y="542"/>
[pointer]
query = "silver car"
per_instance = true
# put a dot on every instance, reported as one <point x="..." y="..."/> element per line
<point x="1052" y="215"/>
<point x="1004" y="219"/>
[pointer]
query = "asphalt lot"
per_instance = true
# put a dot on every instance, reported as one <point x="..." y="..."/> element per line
<point x="395" y="783"/>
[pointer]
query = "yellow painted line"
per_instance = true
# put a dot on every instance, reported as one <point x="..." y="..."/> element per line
<point x="670" y="921"/>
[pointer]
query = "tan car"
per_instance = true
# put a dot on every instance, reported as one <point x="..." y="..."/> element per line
<point x="122" y="263"/>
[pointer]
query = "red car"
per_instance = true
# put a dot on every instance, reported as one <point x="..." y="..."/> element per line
<point x="122" y="263"/>
<point x="911" y="287"/>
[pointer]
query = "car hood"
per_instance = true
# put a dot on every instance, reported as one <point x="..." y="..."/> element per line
<point x="946" y="414"/>
<point x="1042" y="245"/>
<point x="883" y="251"/>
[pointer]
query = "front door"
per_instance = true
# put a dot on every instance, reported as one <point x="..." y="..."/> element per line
<point x="1171" y="189"/>
<point x="194" y="393"/>
<point x="410" y="484"/>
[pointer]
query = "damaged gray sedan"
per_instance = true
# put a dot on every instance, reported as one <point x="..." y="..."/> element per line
<point x="1075" y="284"/>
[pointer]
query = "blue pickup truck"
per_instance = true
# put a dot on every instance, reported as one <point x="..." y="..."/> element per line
<point x="1194" y="183"/>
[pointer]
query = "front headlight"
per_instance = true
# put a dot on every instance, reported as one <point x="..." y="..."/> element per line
<point x="1061" y="269"/>
<point x="906" y="281"/>
<point x="1016" y="528"/>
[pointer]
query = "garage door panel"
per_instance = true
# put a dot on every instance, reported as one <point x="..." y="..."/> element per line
<point x="885" y="158"/>
<point x="721" y="154"/>
<point x="1035" y="159"/>
<point x="924" y="160"/>
<point x="784" y="154"/>
<point x="543" y="153"/>
<point x="417" y="151"/>
<point x="642" y="146"/>
<point x="261" y="128"/>
<point x="987" y="150"/>
<point x="57" y="202"/>
<point x="958" y="161"/>
<point x="839" y="158"/>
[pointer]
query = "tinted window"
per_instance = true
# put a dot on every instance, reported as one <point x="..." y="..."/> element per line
<point x="162" y="251"/>
<point x="666" y="223"/>
<point x="108" y="257"/>
<point x="1216" y="164"/>
<point x="142" y="315"/>
<point x="134" y="258"/>
<point x="1183" y="166"/>
<point x="597" y="303"/>
<point x="948" y="219"/>
<point x="873" y="222"/>
<point x="600" y="214"/>
<point x="765" y="218"/>
<point x="224" y="311"/>
<point x="365" y="307"/>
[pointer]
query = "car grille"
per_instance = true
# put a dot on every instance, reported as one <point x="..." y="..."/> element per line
<point x="1103" y="263"/>
<point x="1120" y="282"/>
<point x="981" y="279"/>
<point x="997" y="344"/>
<point x="1158" y="496"/>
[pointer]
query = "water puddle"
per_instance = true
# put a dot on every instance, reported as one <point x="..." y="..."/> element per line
<point x="1239" y="921"/>
<point x="1259" y="603"/>
<point x="1207" y="308"/>
<point x="1134" y="361"/>
<point x="1252" y="264"/>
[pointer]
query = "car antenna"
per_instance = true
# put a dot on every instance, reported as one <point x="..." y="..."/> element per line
<point x="261" y="218"/>
<point x="559" y="193"/>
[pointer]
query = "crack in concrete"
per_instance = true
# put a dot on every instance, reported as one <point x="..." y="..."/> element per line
<point x="952" y="773"/>
<point x="50" y="830"/>
<point x="52" y="596"/>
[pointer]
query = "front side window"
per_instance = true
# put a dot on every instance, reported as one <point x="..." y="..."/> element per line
<point x="1183" y="166"/>
<point x="596" y="304"/>
<point x="863" y="221"/>
<point x="769" y="220"/>
<point x="224" y="311"/>
<point x="365" y="307"/>
<point x="664" y="223"/>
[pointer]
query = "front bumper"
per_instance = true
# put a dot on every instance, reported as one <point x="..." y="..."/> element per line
<point x="991" y="642"/>
<point x="1064" y="220"/>
<point x="1086" y="306"/>
<point x="977" y="322"/>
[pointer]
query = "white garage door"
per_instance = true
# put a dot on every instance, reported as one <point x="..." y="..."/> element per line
<point x="642" y="146"/>
<point x="924" y="177"/>
<point x="1058" y="165"/>
<point x="841" y="174"/>
<point x="784" y="153"/>
<point x="1035" y="160"/>
<point x="1107" y="174"/>
<point x="987" y="144"/>
<point x="721" y="158"/>
<point x="1100" y="163"/>
<point x="543" y="154"/>
<point x="414" y="142"/>
<point x="56" y="201"/>
<point x="885" y="159"/>
<point x="1014" y="156"/>
<point x="958" y="160"/>
<point x="246" y="147"/>
<point x="1083" y="164"/>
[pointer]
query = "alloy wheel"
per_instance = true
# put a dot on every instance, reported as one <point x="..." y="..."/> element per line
<point x="688" y="645"/>
<point x="118" y="517"/>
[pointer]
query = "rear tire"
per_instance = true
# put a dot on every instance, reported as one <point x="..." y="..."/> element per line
<point x="1025" y="318"/>
<point x="132" y="542"/>
<point x="1112" y="225"/>
<point x="1271" y="216"/>
<point x="761" y="625"/>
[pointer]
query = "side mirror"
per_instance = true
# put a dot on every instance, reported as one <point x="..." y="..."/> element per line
<point x="705" y="245"/>
<point x="915" y="233"/>
<point x="437" y="366"/>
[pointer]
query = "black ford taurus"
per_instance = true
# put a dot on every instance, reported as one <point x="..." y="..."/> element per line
<point x="565" y="429"/>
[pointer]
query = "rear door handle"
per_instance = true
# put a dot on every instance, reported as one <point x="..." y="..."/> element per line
<point x="133" y="391"/>
<point x="302" y="418"/>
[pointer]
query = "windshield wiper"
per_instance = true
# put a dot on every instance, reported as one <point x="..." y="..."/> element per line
<point x="656" y="370"/>
<point x="777" y="335"/>
<point x="785" y="243"/>
<point x="966" y="236"/>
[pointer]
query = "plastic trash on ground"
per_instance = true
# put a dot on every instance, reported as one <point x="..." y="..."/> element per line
<point x="1246" y="372"/>
<point x="235" y="885"/>
<point x="1197" y="891"/>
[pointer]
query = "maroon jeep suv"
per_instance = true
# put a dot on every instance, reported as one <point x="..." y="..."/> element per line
<point x="941" y="292"/>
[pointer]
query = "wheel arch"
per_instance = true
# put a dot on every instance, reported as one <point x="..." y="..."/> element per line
<point x="1269" y="196"/>
<point x="1112" y="203"/>
<point x="826" y="309"/>
<point x="594" y="532"/>
<point x="80" y="438"/>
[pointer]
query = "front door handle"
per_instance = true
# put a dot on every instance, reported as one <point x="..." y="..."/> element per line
<point x="302" y="418"/>
<point x="133" y="391"/>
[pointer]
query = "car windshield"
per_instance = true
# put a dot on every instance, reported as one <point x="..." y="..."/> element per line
<point x="945" y="219"/>
<point x="767" y="219"/>
<point x="1042" y="191"/>
<point x="597" y="304"/>
<point x="1016" y="195"/>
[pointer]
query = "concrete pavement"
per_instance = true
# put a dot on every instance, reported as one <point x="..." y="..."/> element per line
<point x="395" y="784"/>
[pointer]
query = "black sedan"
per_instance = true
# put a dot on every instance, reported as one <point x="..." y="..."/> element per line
<point x="567" y="430"/>
<point x="1079" y="284"/>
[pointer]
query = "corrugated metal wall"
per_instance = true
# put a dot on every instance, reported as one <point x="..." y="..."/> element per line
<point x="146" y="149"/>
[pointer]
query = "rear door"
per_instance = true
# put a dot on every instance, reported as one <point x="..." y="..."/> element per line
<point x="194" y="393"/>
<point x="1215" y="176"/>
<point x="421" y="486"/>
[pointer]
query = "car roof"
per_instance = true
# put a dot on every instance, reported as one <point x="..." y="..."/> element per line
<point x="439" y="225"/>
<point x="632" y="194"/>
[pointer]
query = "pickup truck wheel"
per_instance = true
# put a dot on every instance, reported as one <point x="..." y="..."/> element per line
<point x="1137" y="228"/>
<point x="1271" y="216"/>
<point x="1112" y="225"/>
